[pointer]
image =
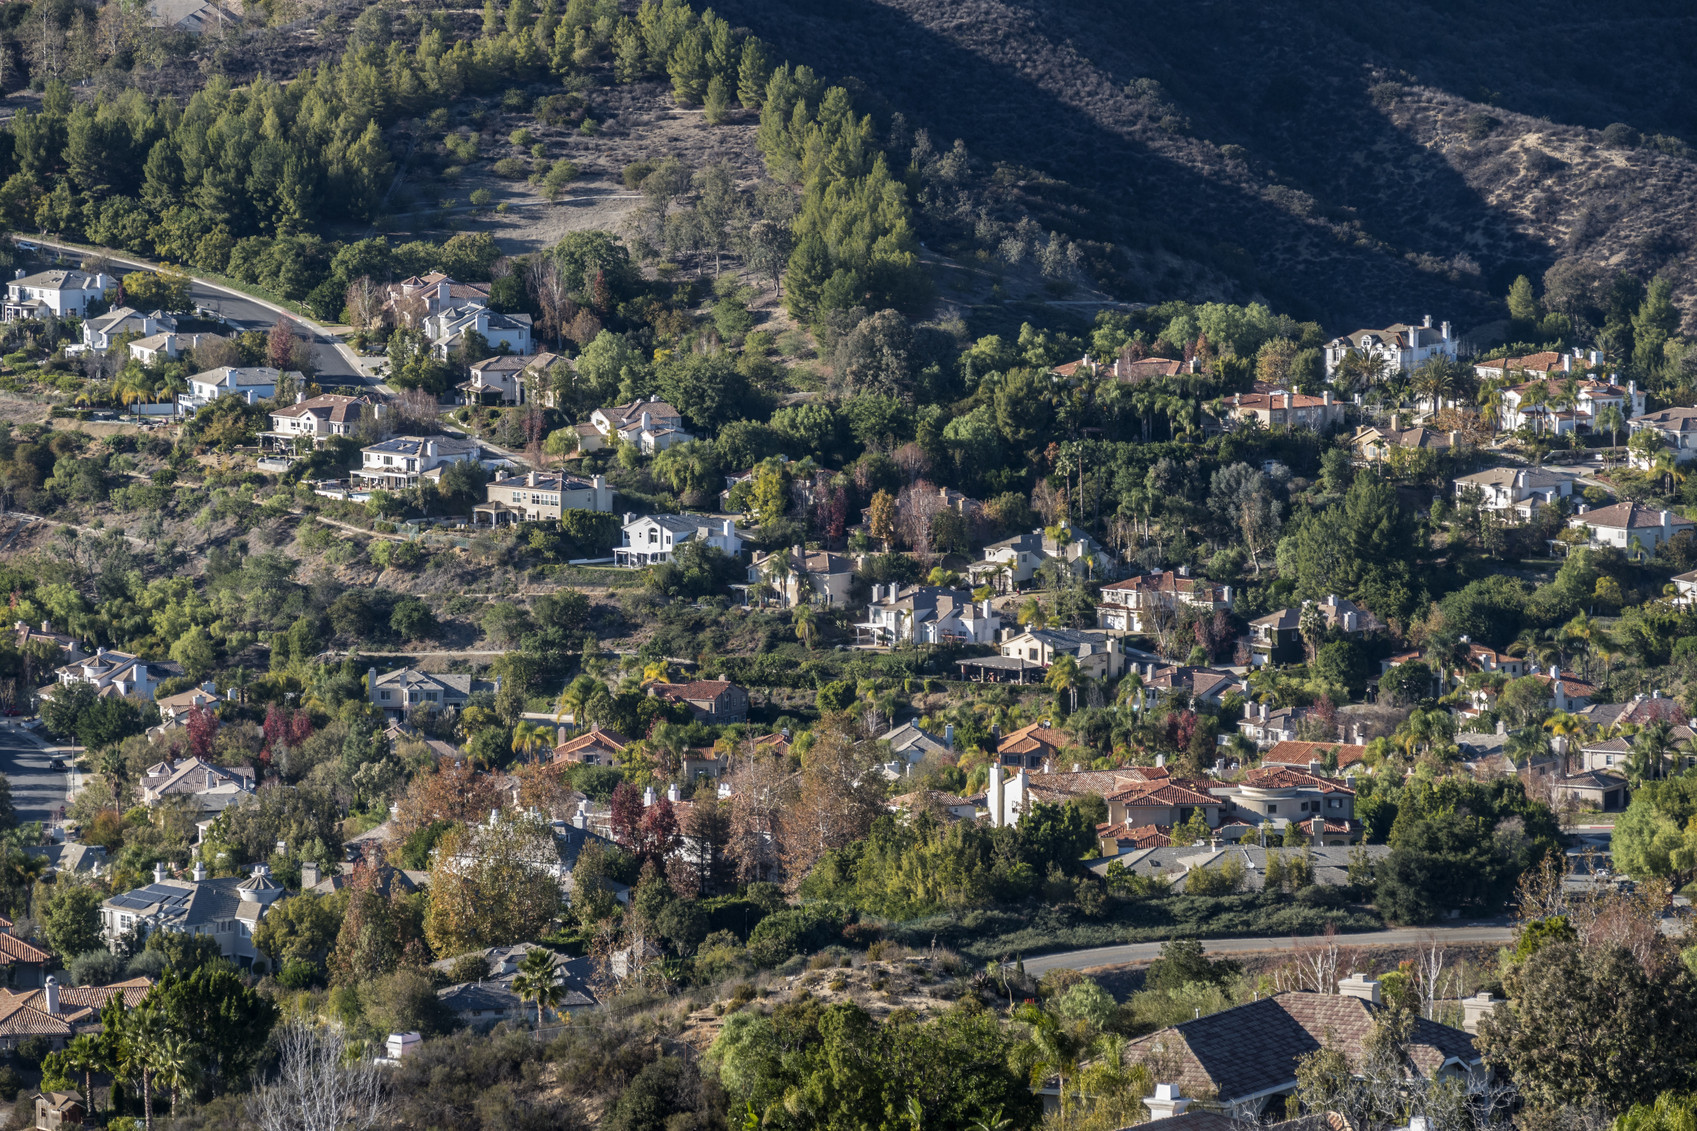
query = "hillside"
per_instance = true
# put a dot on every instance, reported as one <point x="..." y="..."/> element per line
<point x="1347" y="162"/>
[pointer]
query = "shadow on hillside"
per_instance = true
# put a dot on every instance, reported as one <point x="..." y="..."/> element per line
<point x="1285" y="82"/>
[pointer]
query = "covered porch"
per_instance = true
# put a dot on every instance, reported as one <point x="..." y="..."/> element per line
<point x="1001" y="669"/>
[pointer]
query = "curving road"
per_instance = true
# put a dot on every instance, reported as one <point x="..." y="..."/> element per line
<point x="1492" y="932"/>
<point x="245" y="312"/>
<point x="38" y="790"/>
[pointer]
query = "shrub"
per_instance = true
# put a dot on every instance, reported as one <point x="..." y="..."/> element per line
<point x="10" y="1082"/>
<point x="512" y="168"/>
<point x="298" y="974"/>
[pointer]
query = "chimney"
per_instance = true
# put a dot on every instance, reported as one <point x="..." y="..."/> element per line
<point x="1263" y="712"/>
<point x="1667" y="519"/>
<point x="1396" y="422"/>
<point x="672" y="793"/>
<point x="1326" y="397"/>
<point x="949" y="735"/>
<point x="1361" y="986"/>
<point x="1567" y="363"/>
<point x="1555" y="672"/>
<point x="1289" y="400"/>
<point x="1656" y="694"/>
<point x="1475" y="1007"/>
<point x="300" y="395"/>
<point x="1166" y="1102"/>
<point x="993" y="793"/>
<point x="645" y="420"/>
<point x="200" y="872"/>
<point x="50" y="995"/>
<point x="159" y="872"/>
<point x="560" y="735"/>
<point x="309" y="876"/>
<point x="1445" y="330"/>
<point x="1160" y="761"/>
<point x="494" y="817"/>
<point x="430" y="448"/>
<point x="530" y="479"/>
<point x="648" y="797"/>
<point x="47" y="626"/>
<point x="729" y="527"/>
<point x="1249" y="709"/>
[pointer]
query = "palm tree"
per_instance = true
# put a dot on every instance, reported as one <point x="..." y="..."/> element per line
<point x="806" y="622"/>
<point x="1667" y="463"/>
<point x="173" y="1065"/>
<point x="529" y="737"/>
<point x="1064" y="676"/>
<point x="1570" y="729"/>
<point x="657" y="672"/>
<point x="1031" y="614"/>
<point x="1047" y="1048"/>
<point x="1610" y="419"/>
<point x="575" y="697"/>
<point x="1131" y="690"/>
<point x="1491" y="399"/>
<point x="137" y="1053"/>
<point x="537" y="980"/>
<point x="779" y="570"/>
<point x="993" y="1122"/>
<point x="1650" y="749"/>
<point x="85" y="1055"/>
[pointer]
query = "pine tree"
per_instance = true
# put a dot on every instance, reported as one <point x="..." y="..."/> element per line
<point x="1522" y="303"/>
<point x="753" y="72"/>
<point x="718" y="104"/>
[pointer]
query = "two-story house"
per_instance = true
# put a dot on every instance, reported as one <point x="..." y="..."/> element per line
<point x="226" y="909"/>
<point x="1271" y="797"/>
<point x="1135" y="603"/>
<point x="413" y="299"/>
<point x="653" y="538"/>
<point x="110" y="673"/>
<point x="211" y="788"/>
<point x="539" y="496"/>
<point x="1277" y="637"/>
<point x="252" y="384"/>
<point x="397" y="464"/>
<point x="1284" y="409"/>
<point x="1010" y="563"/>
<point x="651" y="425"/>
<point x="496" y="380"/>
<point x="1678" y="429"/>
<point x="1638" y="530"/>
<point x="1514" y="493"/>
<point x="803" y="576"/>
<point x="57" y="293"/>
<point x="1400" y="348"/>
<point x="1097" y="653"/>
<point x="927" y="614"/>
<point x="408" y="689"/>
<point x="312" y="420"/>
<point x="450" y="328"/>
<point x="713" y="701"/>
<point x="101" y="332"/>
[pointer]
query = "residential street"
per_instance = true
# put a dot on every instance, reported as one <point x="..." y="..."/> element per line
<point x="334" y="361"/>
<point x="38" y="791"/>
<point x="1146" y="952"/>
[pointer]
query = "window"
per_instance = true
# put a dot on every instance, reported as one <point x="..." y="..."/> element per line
<point x="382" y="695"/>
<point x="1272" y="808"/>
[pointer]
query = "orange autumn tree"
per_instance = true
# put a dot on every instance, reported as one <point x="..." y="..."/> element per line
<point x="492" y="885"/>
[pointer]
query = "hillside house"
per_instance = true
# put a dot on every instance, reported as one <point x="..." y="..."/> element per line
<point x="713" y="701"/>
<point x="1677" y="428"/>
<point x="1514" y="493"/>
<point x="101" y="332"/>
<point x="210" y="788"/>
<point x="1032" y="746"/>
<point x="401" y="463"/>
<point x="1636" y="529"/>
<point x="651" y="425"/>
<point x="1097" y="653"/>
<point x="594" y="747"/>
<point x="251" y="383"/>
<point x="410" y="301"/>
<point x="926" y="614"/>
<point x="496" y="380"/>
<point x="1399" y="348"/>
<point x="226" y="908"/>
<point x="1135" y="604"/>
<point x="654" y="538"/>
<point x="1374" y="444"/>
<point x="1314" y="757"/>
<point x="1272" y="797"/>
<point x="473" y="325"/>
<point x="1284" y="409"/>
<point x="110" y="673"/>
<point x="803" y="576"/>
<point x="407" y="689"/>
<point x="56" y="293"/>
<point x="1246" y="1057"/>
<point x="542" y="496"/>
<point x="312" y="420"/>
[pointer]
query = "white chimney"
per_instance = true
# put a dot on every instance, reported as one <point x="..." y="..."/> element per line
<point x="672" y="793"/>
<point x="159" y="872"/>
<point x="494" y="817"/>
<point x="1475" y="1007"/>
<point x="50" y="995"/>
<point x="645" y="420"/>
<point x="530" y="479"/>
<point x="1289" y="400"/>
<point x="1166" y="1102"/>
<point x="1445" y="330"/>
<point x="1427" y="324"/>
<point x="1160" y="761"/>
<point x="309" y="875"/>
<point x="200" y="871"/>
<point x="648" y="797"/>
<point x="1361" y="986"/>
<point x="993" y="794"/>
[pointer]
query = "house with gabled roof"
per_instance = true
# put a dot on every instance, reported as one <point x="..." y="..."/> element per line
<point x="101" y="332"/>
<point x="451" y="328"/>
<point x="57" y="293"/>
<point x="1246" y="1058"/>
<point x="497" y="380"/>
<point x="654" y="538"/>
<point x="1282" y="408"/>
<point x="492" y="999"/>
<point x="927" y="614"/>
<point x="1400" y="348"/>
<point x="1134" y="604"/>
<point x="594" y="747"/>
<point x="804" y="576"/>
<point x="402" y="462"/>
<point x="542" y="496"/>
<point x="1274" y="797"/>
<point x="408" y="689"/>
<point x="1097" y="653"/>
<point x="1513" y="493"/>
<point x="1314" y="757"/>
<point x="253" y="383"/>
<point x="312" y="420"/>
<point x="212" y="788"/>
<point x="110" y="673"/>
<point x="1032" y="746"/>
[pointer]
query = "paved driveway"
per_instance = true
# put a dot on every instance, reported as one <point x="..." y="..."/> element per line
<point x="38" y="790"/>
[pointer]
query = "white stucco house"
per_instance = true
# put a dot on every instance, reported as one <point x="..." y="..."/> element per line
<point x="1630" y="527"/>
<point x="395" y="465"/>
<point x="253" y="384"/>
<point x="653" y="538"/>
<point x="57" y="293"/>
<point x="1402" y="347"/>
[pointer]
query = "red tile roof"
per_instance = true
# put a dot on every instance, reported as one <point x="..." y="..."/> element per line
<point x="1302" y="754"/>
